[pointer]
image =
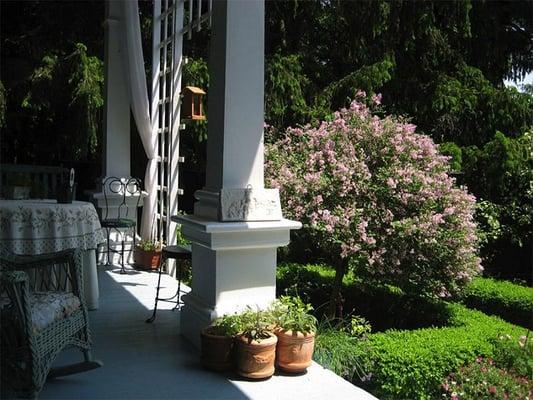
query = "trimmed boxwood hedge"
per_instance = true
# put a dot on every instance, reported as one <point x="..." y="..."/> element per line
<point x="413" y="364"/>
<point x="399" y="364"/>
<point x="512" y="302"/>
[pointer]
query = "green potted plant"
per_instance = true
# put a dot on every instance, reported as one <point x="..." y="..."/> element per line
<point x="255" y="345"/>
<point x="217" y="343"/>
<point x="147" y="254"/>
<point x="295" y="329"/>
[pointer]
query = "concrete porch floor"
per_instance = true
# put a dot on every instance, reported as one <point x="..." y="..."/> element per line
<point x="152" y="361"/>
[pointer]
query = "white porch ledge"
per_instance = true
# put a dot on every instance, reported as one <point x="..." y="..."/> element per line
<point x="210" y="226"/>
<point x="152" y="361"/>
<point x="236" y="235"/>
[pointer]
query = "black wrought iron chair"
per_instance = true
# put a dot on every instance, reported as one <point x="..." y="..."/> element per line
<point x="43" y="312"/>
<point x="176" y="253"/>
<point x="117" y="193"/>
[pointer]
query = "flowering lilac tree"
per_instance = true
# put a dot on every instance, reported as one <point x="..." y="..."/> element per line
<point x="375" y="195"/>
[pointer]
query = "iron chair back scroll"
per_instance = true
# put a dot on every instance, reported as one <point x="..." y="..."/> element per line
<point x="117" y="216"/>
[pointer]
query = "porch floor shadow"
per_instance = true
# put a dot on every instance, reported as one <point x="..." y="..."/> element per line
<point x="152" y="361"/>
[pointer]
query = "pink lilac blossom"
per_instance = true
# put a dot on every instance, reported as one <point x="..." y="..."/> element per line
<point x="374" y="191"/>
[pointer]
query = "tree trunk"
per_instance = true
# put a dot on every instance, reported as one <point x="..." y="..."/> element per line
<point x="335" y="300"/>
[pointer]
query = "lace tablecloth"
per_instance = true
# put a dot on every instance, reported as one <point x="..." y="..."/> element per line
<point x="32" y="227"/>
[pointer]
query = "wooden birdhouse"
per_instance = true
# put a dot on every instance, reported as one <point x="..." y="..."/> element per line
<point x="192" y="107"/>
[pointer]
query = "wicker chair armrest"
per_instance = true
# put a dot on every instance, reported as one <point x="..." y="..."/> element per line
<point x="71" y="258"/>
<point x="11" y="277"/>
<point x="15" y="285"/>
<point x="16" y="261"/>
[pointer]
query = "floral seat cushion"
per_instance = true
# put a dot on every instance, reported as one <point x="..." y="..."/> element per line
<point x="48" y="307"/>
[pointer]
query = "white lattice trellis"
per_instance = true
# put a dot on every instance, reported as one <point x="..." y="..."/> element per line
<point x="169" y="30"/>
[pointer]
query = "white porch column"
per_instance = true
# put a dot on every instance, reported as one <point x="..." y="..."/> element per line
<point x="116" y="148"/>
<point x="234" y="264"/>
<point x="117" y="98"/>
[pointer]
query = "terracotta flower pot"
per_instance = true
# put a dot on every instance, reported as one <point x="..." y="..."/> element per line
<point x="217" y="351"/>
<point x="146" y="259"/>
<point x="255" y="359"/>
<point x="294" y="352"/>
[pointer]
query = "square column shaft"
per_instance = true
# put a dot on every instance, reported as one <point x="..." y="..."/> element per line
<point x="236" y="95"/>
<point x="117" y="98"/>
<point x="116" y="159"/>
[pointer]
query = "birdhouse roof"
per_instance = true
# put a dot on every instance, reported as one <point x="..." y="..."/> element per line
<point x="194" y="89"/>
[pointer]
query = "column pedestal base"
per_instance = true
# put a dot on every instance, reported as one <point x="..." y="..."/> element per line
<point x="233" y="266"/>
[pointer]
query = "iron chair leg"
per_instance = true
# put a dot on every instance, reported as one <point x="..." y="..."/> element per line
<point x="178" y="301"/>
<point x="122" y="270"/>
<point x="134" y="238"/>
<point x="108" y="245"/>
<point x="161" y="262"/>
<point x="113" y="251"/>
<point x="134" y="232"/>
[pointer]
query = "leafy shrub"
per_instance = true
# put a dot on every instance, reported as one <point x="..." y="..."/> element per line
<point x="494" y="170"/>
<point x="484" y="380"/>
<point x="359" y="327"/>
<point x="407" y="364"/>
<point x="510" y="301"/>
<point x="515" y="355"/>
<point x="374" y="192"/>
<point x="384" y="306"/>
<point x="453" y="151"/>
<point x="488" y="217"/>
<point x="499" y="175"/>
<point x="311" y="282"/>
<point x="412" y="364"/>
<point x="342" y="353"/>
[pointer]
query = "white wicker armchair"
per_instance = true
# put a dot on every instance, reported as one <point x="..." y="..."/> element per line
<point x="42" y="312"/>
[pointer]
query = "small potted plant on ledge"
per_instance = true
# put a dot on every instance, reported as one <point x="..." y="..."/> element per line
<point x="217" y="343"/>
<point x="147" y="254"/>
<point x="255" y="345"/>
<point x="295" y="329"/>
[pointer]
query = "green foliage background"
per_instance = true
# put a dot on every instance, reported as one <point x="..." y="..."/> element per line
<point x="440" y="63"/>
<point x="52" y="70"/>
